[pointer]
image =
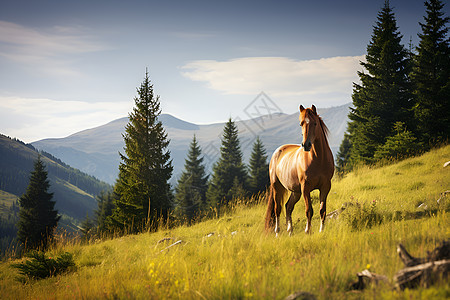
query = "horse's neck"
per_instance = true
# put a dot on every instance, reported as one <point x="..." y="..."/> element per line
<point x="321" y="148"/>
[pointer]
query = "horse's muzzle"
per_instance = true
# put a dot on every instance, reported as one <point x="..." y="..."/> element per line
<point x="307" y="145"/>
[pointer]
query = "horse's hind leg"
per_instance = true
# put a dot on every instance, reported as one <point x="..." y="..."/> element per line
<point x="293" y="198"/>
<point x="278" y="194"/>
<point x="324" y="190"/>
<point x="308" y="209"/>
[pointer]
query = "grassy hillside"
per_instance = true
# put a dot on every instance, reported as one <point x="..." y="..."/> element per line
<point x="6" y="201"/>
<point x="233" y="258"/>
<point x="74" y="191"/>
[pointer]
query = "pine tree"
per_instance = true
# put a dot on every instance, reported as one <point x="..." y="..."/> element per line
<point x="343" y="155"/>
<point x="431" y="76"/>
<point x="259" y="168"/>
<point x="87" y="228"/>
<point x="37" y="216"/>
<point x="228" y="169"/>
<point x="190" y="197"/>
<point x="143" y="187"/>
<point x="384" y="96"/>
<point x="105" y="203"/>
<point x="399" y="146"/>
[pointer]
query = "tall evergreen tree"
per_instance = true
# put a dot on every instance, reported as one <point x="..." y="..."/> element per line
<point x="431" y="76"/>
<point x="37" y="216"/>
<point x="228" y="170"/>
<point x="190" y="197"/>
<point x="259" y="168"/>
<point x="143" y="187"/>
<point x="384" y="96"/>
<point x="105" y="203"/>
<point x="343" y="155"/>
<point x="87" y="228"/>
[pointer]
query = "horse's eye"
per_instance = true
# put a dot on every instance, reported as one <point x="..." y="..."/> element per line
<point x="302" y="123"/>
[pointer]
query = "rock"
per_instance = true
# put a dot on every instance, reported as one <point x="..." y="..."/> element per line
<point x="447" y="164"/>
<point x="365" y="278"/>
<point x="301" y="296"/>
<point x="164" y="240"/>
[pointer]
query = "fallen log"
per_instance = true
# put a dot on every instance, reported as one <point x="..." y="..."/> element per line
<point x="424" y="274"/>
<point x="423" y="271"/>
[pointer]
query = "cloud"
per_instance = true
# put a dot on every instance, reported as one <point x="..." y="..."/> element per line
<point x="327" y="81"/>
<point x="50" y="48"/>
<point x="32" y="119"/>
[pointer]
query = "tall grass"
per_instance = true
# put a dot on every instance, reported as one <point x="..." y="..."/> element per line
<point x="232" y="257"/>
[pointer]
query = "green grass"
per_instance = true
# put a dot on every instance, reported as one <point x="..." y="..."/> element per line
<point x="241" y="261"/>
<point x="6" y="201"/>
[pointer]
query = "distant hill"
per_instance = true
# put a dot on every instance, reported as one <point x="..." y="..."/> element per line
<point x="95" y="151"/>
<point x="74" y="191"/>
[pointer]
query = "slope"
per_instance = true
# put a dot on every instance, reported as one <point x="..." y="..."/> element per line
<point x="74" y="191"/>
<point x="231" y="257"/>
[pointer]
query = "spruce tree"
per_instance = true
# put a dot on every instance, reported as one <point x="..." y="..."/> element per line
<point x="399" y="146"/>
<point x="143" y="190"/>
<point x="190" y="197"/>
<point x="343" y="155"/>
<point x="259" y="168"/>
<point x="105" y="208"/>
<point x="87" y="228"/>
<point x="228" y="170"/>
<point x="37" y="216"/>
<point x="384" y="96"/>
<point x="431" y="76"/>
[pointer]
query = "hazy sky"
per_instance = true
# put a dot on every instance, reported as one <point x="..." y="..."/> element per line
<point x="66" y="66"/>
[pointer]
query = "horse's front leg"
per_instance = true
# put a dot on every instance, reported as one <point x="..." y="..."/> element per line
<point x="324" y="190"/>
<point x="308" y="209"/>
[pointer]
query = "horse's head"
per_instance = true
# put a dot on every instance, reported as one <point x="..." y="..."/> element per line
<point x="309" y="120"/>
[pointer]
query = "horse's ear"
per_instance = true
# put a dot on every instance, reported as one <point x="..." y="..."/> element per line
<point x="314" y="109"/>
<point x="301" y="108"/>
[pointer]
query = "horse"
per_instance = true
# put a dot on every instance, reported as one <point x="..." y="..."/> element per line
<point x="296" y="170"/>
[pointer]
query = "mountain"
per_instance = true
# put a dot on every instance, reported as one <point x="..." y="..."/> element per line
<point x="96" y="151"/>
<point x="74" y="191"/>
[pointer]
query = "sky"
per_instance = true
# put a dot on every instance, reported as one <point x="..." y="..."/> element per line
<point x="66" y="66"/>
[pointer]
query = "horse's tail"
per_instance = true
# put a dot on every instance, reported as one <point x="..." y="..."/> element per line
<point x="270" y="213"/>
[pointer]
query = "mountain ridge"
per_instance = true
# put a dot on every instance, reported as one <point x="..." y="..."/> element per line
<point x="96" y="150"/>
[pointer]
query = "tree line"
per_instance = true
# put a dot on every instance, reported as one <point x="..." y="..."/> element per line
<point x="142" y="196"/>
<point x="402" y="104"/>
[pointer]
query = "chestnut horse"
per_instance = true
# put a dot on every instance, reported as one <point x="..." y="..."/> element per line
<point x="298" y="169"/>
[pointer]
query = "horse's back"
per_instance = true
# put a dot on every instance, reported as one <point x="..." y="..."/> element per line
<point x="284" y="166"/>
<point x="282" y="152"/>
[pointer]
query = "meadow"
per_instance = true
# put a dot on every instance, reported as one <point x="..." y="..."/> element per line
<point x="232" y="257"/>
